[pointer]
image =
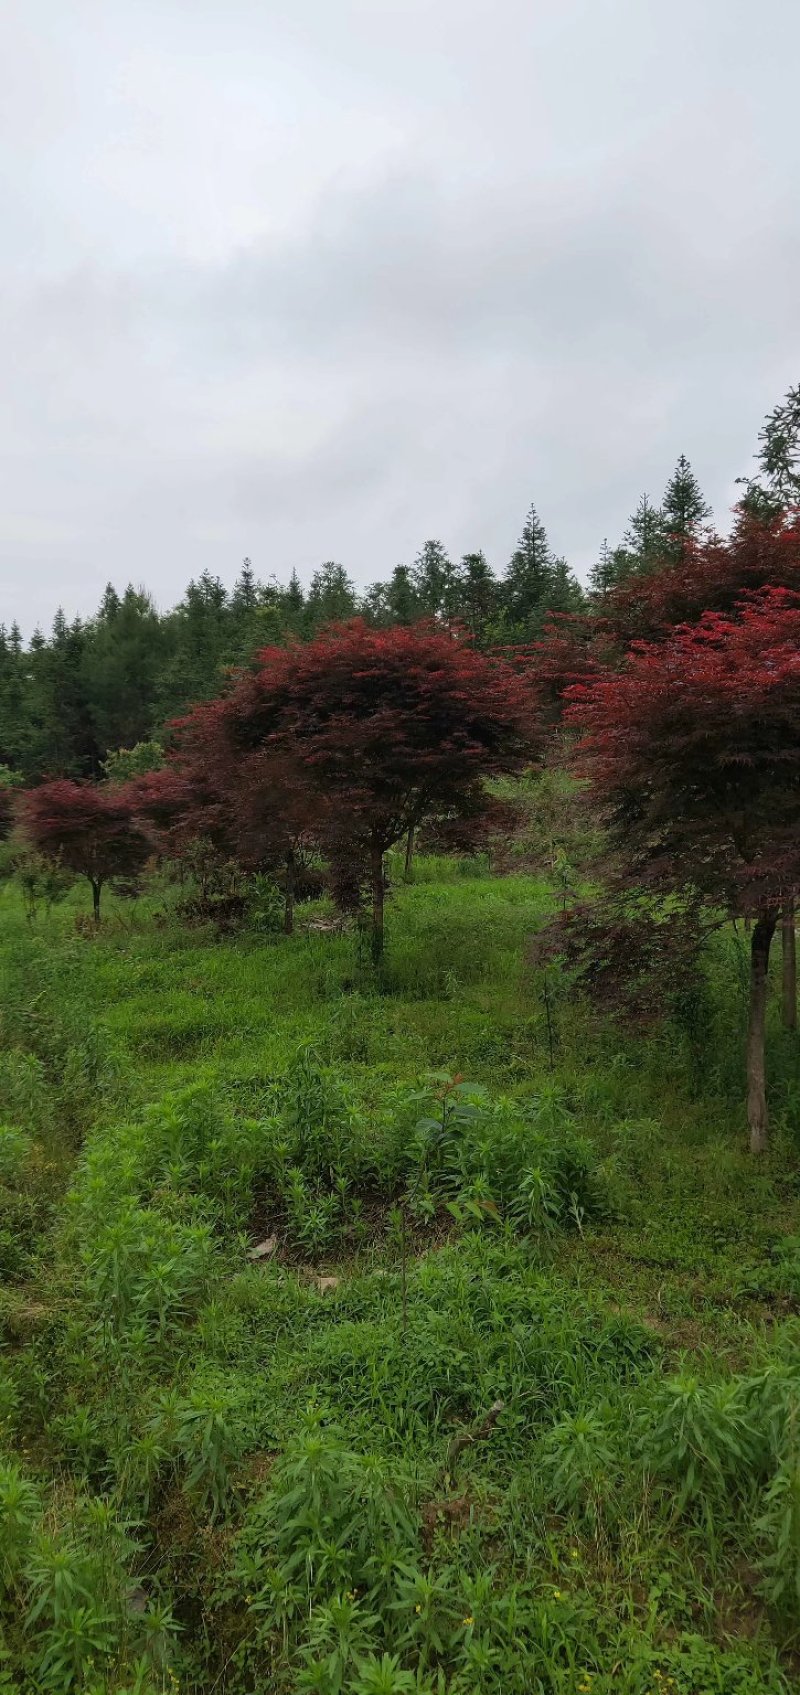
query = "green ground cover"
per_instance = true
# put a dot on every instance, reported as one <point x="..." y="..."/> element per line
<point x="509" y="1400"/>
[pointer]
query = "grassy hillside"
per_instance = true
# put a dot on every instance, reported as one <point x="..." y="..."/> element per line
<point x="371" y="1336"/>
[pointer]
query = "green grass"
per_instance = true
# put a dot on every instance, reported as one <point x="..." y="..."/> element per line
<point x="512" y="1405"/>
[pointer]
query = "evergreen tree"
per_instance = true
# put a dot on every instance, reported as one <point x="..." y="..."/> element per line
<point x="122" y="665"/>
<point x="242" y="622"/>
<point x="293" y="605"/>
<point x="566" y="594"/>
<point x="536" y="582"/>
<point x="478" y="602"/>
<point x="375" y="605"/>
<point x="110" y="603"/>
<point x="245" y="592"/>
<point x="643" y="543"/>
<point x="197" y="643"/>
<point x="684" y="511"/>
<point x="603" y="573"/>
<point x="402" y="600"/>
<point x="62" y="740"/>
<point x="528" y="578"/>
<point x="331" y="597"/>
<point x="777" y="487"/>
<point x="435" y="582"/>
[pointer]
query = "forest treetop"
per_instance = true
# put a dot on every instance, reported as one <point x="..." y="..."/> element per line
<point x="92" y="686"/>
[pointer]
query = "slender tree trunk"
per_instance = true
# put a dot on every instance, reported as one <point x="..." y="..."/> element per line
<point x="763" y="931"/>
<point x="288" y="894"/>
<point x="408" y="873"/>
<point x="376" y="865"/>
<point x="96" y="887"/>
<point x="789" y="963"/>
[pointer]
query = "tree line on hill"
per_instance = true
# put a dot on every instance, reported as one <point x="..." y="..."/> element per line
<point x="70" y="699"/>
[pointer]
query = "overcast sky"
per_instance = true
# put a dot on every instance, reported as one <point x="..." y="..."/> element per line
<point x="314" y="279"/>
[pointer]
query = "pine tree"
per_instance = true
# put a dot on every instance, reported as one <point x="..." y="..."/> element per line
<point x="243" y="617"/>
<point x="110" y="603"/>
<point x="535" y="582"/>
<point x="602" y="576"/>
<point x="402" y="599"/>
<point x="643" y="542"/>
<point x="122" y="666"/>
<point x="62" y="739"/>
<point x="245" y="590"/>
<point x="778" y="486"/>
<point x="331" y="597"/>
<point x="684" y="511"/>
<point x="528" y="576"/>
<point x="374" y="605"/>
<point x="435" y="582"/>
<point x="478" y="596"/>
<point x="14" y="700"/>
<point x="565" y="593"/>
<point x="293" y="604"/>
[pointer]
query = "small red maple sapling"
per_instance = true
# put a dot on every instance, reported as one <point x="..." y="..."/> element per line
<point x="90" y="830"/>
<point x="694" y="752"/>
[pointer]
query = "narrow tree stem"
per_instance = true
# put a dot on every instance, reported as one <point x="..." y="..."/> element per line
<point x="757" y="1116"/>
<point x="288" y="894"/>
<point x="376" y="862"/>
<point x="96" y="887"/>
<point x="789" y="964"/>
<point x="408" y="873"/>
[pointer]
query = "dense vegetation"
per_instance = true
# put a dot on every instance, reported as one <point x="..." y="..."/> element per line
<point x="93" y="686"/>
<point x="414" y="1317"/>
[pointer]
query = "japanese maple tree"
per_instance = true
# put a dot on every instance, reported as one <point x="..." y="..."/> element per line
<point x="712" y="575"/>
<point x="378" y="729"/>
<point x="179" y="803"/>
<point x="89" y="829"/>
<point x="252" y="807"/>
<point x="693" y="749"/>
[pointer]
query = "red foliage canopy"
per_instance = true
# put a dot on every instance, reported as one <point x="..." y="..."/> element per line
<point x="91" y="830"/>
<point x="573" y="649"/>
<point x="178" y="802"/>
<point x="711" y="576"/>
<point x="633" y="956"/>
<point x="693" y="748"/>
<point x="348" y="742"/>
<point x="386" y="726"/>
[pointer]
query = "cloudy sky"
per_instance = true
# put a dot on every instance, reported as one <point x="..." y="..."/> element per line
<point x="312" y="279"/>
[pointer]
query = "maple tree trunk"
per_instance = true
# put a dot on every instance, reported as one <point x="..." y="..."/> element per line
<point x="409" y="865"/>
<point x="789" y="964"/>
<point x="757" y="1118"/>
<point x="96" y="887"/>
<point x="376" y="863"/>
<point x="288" y="895"/>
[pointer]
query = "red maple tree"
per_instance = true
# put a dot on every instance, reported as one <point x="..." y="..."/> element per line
<point x="762" y="551"/>
<point x="355" y="739"/>
<point x="693" y="749"/>
<point x="252" y="808"/>
<point x="574" y="647"/>
<point x="89" y="829"/>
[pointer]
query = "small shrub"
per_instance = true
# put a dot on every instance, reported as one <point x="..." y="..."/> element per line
<point x="700" y="1438"/>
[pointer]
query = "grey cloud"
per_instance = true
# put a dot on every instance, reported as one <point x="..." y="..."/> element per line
<point x="323" y="279"/>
